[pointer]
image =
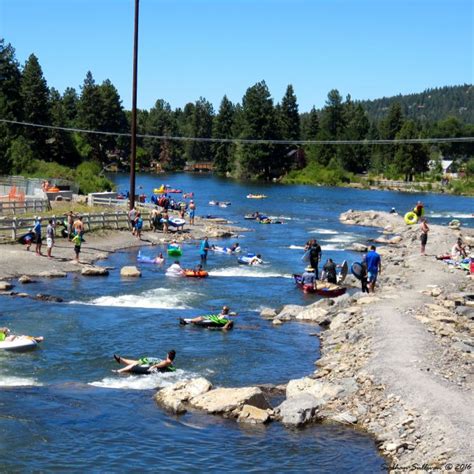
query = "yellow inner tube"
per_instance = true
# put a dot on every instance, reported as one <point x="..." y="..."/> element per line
<point x="411" y="218"/>
<point x="159" y="190"/>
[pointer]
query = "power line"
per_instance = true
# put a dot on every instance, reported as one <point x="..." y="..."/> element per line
<point x="396" y="141"/>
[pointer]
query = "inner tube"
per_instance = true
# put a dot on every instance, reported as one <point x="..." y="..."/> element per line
<point x="357" y="270"/>
<point x="19" y="344"/>
<point x="176" y="221"/>
<point x="207" y="323"/>
<point x="195" y="274"/>
<point x="145" y="369"/>
<point x="175" y="251"/>
<point x="410" y="218"/>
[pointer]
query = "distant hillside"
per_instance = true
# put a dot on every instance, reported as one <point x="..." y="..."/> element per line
<point x="430" y="105"/>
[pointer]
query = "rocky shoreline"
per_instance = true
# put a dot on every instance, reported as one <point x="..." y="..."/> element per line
<point x="396" y="364"/>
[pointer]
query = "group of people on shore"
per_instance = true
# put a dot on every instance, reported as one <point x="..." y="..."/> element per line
<point x="74" y="230"/>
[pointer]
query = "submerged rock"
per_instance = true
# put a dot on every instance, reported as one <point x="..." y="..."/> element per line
<point x="289" y="311"/>
<point x="5" y="286"/>
<point x="42" y="297"/>
<point x="24" y="279"/>
<point x="53" y="274"/>
<point x="251" y="414"/>
<point x="268" y="313"/>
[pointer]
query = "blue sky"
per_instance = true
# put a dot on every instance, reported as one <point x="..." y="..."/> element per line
<point x="193" y="48"/>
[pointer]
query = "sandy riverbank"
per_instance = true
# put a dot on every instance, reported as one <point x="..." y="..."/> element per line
<point x="16" y="261"/>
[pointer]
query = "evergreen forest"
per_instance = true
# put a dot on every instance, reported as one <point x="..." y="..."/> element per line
<point x="36" y="151"/>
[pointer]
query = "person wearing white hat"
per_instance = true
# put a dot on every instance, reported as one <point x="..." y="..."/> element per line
<point x="308" y="277"/>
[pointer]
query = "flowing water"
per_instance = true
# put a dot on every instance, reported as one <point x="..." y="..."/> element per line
<point x="62" y="407"/>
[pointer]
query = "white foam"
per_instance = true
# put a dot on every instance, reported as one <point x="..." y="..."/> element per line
<point x="323" y="231"/>
<point x="296" y="247"/>
<point x="142" y="382"/>
<point x="250" y="272"/>
<point x="331" y="247"/>
<point x="161" y="298"/>
<point x="340" y="239"/>
<point x="448" y="215"/>
<point x="281" y="218"/>
<point x="11" y="381"/>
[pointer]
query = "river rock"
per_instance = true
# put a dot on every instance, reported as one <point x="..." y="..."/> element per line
<point x="25" y="279"/>
<point x="340" y="320"/>
<point x="226" y="400"/>
<point x="367" y="300"/>
<point x="289" y="311"/>
<point x="94" y="271"/>
<point x="268" y="313"/>
<point x="130" y="271"/>
<point x="357" y="247"/>
<point x="395" y="239"/>
<point x="254" y="415"/>
<point x="298" y="410"/>
<point x="344" y="417"/>
<point x="50" y="298"/>
<point x="5" y="286"/>
<point x="313" y="314"/>
<point x="173" y="398"/>
<point x="53" y="274"/>
<point x="101" y="256"/>
<point x="323" y="391"/>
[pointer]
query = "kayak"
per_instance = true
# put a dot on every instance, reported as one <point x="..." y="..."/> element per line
<point x="326" y="290"/>
<point x="195" y="273"/>
<point x="20" y="344"/>
<point x="206" y="323"/>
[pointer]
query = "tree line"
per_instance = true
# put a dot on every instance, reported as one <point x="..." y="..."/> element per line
<point x="25" y="96"/>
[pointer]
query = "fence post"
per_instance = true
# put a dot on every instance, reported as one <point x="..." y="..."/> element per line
<point x="14" y="228"/>
<point x="103" y="220"/>
<point x="88" y="221"/>
<point x="116" y="219"/>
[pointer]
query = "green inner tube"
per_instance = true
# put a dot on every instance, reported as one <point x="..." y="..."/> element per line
<point x="175" y="252"/>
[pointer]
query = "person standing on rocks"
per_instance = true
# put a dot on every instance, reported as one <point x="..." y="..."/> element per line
<point x="363" y="275"/>
<point x="315" y="256"/>
<point x="50" y="237"/>
<point x="374" y="267"/>
<point x="424" y="234"/>
<point x="37" y="232"/>
<point x="131" y="217"/>
<point x="69" y="222"/>
<point x="78" y="226"/>
<point x="192" y="212"/>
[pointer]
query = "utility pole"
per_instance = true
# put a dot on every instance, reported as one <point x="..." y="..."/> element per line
<point x="134" y="108"/>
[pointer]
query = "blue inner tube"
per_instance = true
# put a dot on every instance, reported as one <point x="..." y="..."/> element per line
<point x="357" y="270"/>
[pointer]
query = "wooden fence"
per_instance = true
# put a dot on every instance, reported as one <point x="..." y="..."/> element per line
<point x="23" y="207"/>
<point x="12" y="228"/>
<point x="120" y="203"/>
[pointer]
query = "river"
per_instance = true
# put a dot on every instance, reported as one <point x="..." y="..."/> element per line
<point x="62" y="408"/>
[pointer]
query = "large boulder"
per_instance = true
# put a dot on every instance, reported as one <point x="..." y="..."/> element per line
<point x="312" y="313"/>
<point x="130" y="271"/>
<point x="92" y="270"/>
<point x="299" y="410"/>
<point x="174" y="397"/>
<point x="289" y="311"/>
<point x="357" y="247"/>
<point x="226" y="400"/>
<point x="254" y="415"/>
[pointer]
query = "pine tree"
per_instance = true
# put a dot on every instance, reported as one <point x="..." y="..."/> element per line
<point x="259" y="122"/>
<point x="70" y="102"/>
<point x="36" y="106"/>
<point x="411" y="158"/>
<point x="10" y="101"/>
<point x="61" y="145"/>
<point x="89" y="116"/>
<point x="389" y="128"/>
<point x="201" y="127"/>
<point x="223" y="128"/>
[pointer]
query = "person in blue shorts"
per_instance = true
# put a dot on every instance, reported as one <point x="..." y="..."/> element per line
<point x="204" y="249"/>
<point x="374" y="267"/>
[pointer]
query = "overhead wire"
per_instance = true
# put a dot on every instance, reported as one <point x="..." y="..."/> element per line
<point x="395" y="141"/>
